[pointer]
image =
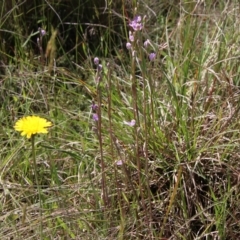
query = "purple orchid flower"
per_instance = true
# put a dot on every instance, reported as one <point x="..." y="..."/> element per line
<point x="128" y="45"/>
<point x="152" y="56"/>
<point x="136" y="23"/>
<point x="96" y="60"/>
<point x="95" y="117"/>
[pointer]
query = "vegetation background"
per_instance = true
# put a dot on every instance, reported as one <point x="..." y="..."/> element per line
<point x="174" y="174"/>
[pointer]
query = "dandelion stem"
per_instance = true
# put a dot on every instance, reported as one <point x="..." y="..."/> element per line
<point x="38" y="186"/>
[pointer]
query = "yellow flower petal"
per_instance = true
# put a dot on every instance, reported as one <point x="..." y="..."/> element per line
<point x="31" y="125"/>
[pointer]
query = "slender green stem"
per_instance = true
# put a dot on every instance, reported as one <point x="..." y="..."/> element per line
<point x="172" y="198"/>
<point x="99" y="122"/>
<point x="146" y="133"/>
<point x="38" y="186"/>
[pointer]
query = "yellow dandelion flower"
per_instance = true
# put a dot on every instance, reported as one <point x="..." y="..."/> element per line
<point x="32" y="125"/>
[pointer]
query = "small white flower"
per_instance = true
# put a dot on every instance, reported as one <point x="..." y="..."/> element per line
<point x="146" y="43"/>
<point x="131" y="124"/>
<point x="43" y="32"/>
<point x="131" y="37"/>
<point x="119" y="163"/>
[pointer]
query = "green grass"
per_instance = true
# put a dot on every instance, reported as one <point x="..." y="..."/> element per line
<point x="179" y="171"/>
